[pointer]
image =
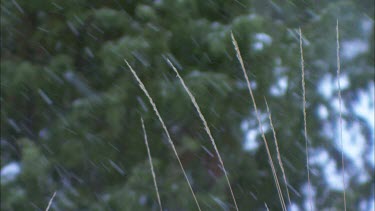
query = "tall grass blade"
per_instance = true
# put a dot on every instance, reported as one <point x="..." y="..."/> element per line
<point x="50" y="201"/>
<point x="340" y="111"/>
<point x="239" y="57"/>
<point x="205" y="127"/>
<point x="265" y="204"/>
<point x="304" y="120"/>
<point x="151" y="165"/>
<point x="278" y="152"/>
<point x="142" y="86"/>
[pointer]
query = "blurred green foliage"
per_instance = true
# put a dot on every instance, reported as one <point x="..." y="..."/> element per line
<point x="70" y="108"/>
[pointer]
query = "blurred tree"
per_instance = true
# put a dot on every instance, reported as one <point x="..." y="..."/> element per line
<point x="70" y="108"/>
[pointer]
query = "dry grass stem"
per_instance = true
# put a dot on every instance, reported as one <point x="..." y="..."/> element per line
<point x="239" y="57"/>
<point x="205" y="127"/>
<point x="265" y="204"/>
<point x="141" y="85"/>
<point x="278" y="152"/>
<point x="340" y="111"/>
<point x="304" y="120"/>
<point x="151" y="165"/>
<point x="50" y="201"/>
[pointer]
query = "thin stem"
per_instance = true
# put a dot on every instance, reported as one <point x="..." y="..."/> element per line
<point x="151" y="165"/>
<point x="206" y="128"/>
<point x="142" y="86"/>
<point x="304" y="120"/>
<point x="239" y="57"/>
<point x="265" y="204"/>
<point x="278" y="152"/>
<point x="50" y="201"/>
<point x="340" y="111"/>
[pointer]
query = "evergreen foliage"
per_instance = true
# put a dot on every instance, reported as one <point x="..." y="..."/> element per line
<point x="70" y="107"/>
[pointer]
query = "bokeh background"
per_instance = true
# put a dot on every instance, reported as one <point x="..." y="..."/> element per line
<point x="70" y="107"/>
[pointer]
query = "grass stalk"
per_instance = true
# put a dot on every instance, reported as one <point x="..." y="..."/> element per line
<point x="239" y="57"/>
<point x="278" y="152"/>
<point x="151" y="165"/>
<point x="50" y="201"/>
<point x="340" y="110"/>
<point x="265" y="204"/>
<point x="304" y="120"/>
<point x="206" y="128"/>
<point x="142" y="86"/>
